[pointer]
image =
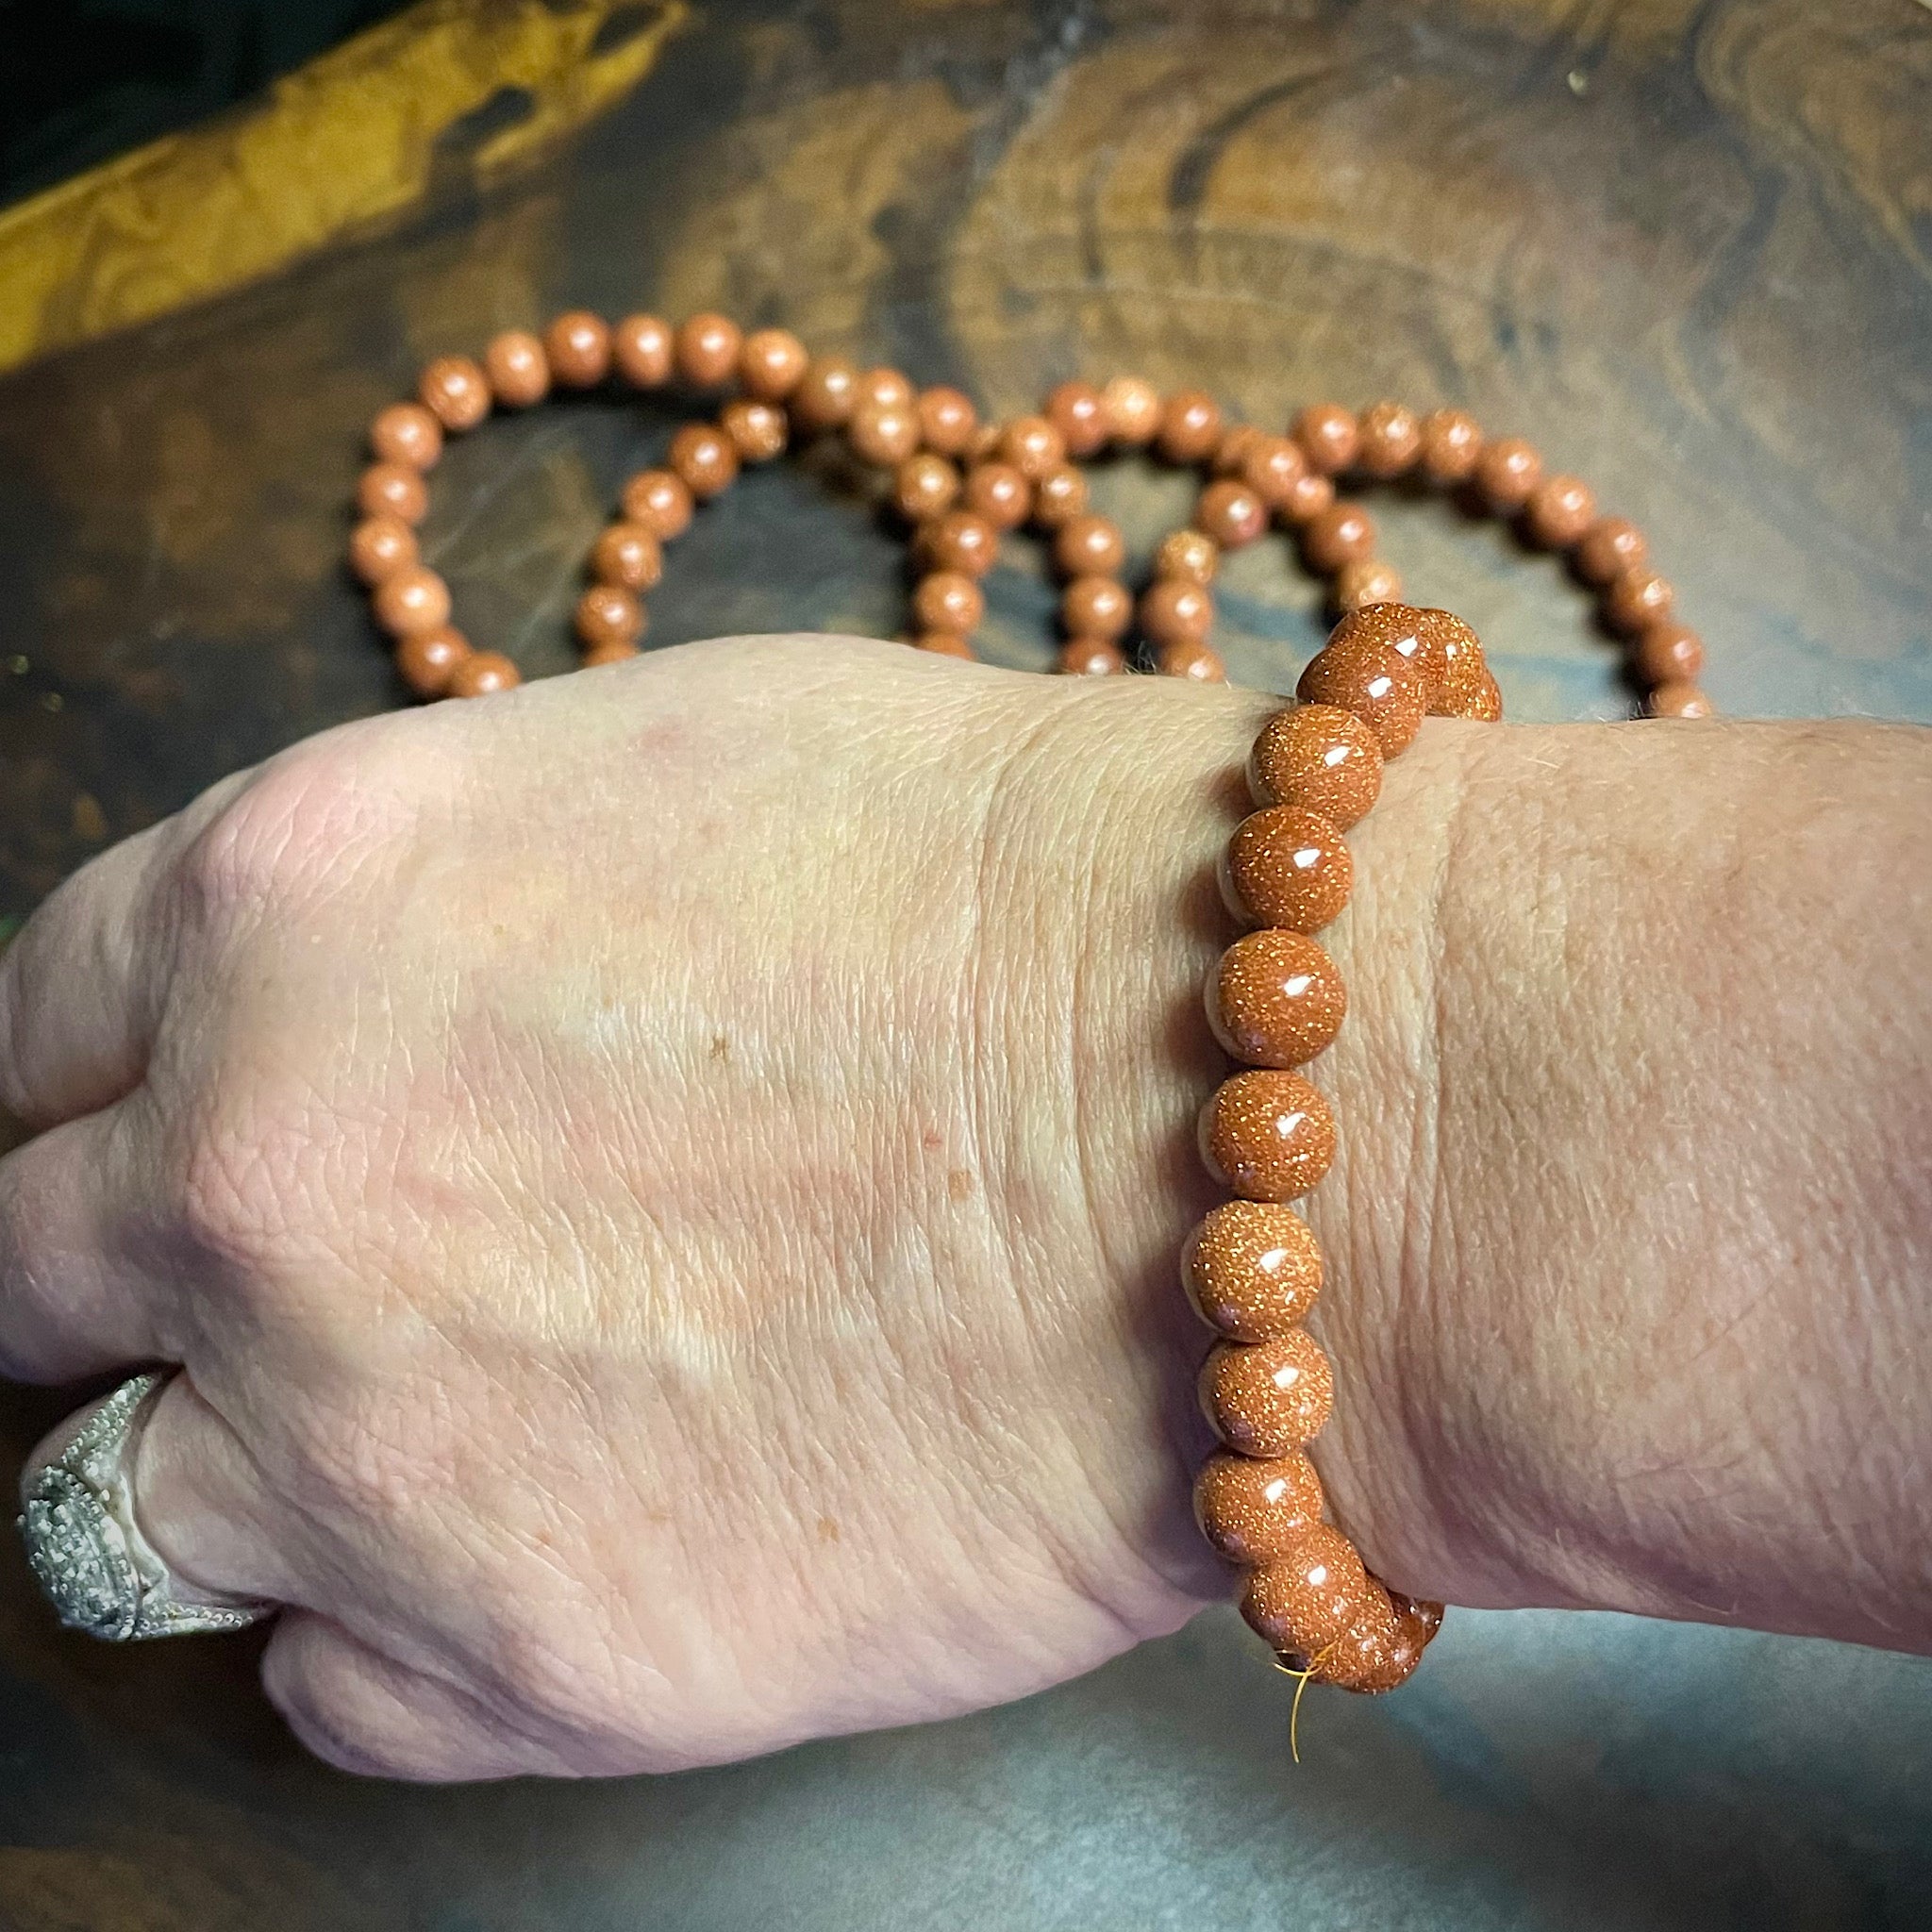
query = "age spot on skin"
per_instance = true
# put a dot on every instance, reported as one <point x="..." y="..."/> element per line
<point x="959" y="1184"/>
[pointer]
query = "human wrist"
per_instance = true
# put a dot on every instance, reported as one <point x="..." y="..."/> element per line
<point x="1140" y="785"/>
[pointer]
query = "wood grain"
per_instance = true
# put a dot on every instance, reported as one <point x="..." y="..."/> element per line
<point x="1683" y="246"/>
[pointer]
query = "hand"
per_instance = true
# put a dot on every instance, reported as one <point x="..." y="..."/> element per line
<point x="666" y="1188"/>
<point x="611" y="1164"/>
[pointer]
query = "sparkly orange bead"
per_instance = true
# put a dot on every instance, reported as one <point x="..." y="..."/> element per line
<point x="518" y="370"/>
<point x="1191" y="556"/>
<point x="1452" y="443"/>
<point x="456" y="392"/>
<point x="1678" y="700"/>
<point x="826" y="393"/>
<point x="482" y="674"/>
<point x="1059" y="496"/>
<point x="998" y="493"/>
<point x="959" y="540"/>
<point x="1445" y="647"/>
<point x="1132" y="408"/>
<point x="759" y="431"/>
<point x="1318" y="757"/>
<point x="1032" y="445"/>
<point x="1089" y="658"/>
<point x="641" y="349"/>
<point x="948" y="600"/>
<point x="1275" y="999"/>
<point x="1638" y="599"/>
<point x="410" y="600"/>
<point x="1470" y="690"/>
<point x="1667" y="653"/>
<point x="942" y="644"/>
<point x="1190" y="427"/>
<point x="1307" y="1597"/>
<point x="890" y="388"/>
<point x="628" y="556"/>
<point x="1265" y="1398"/>
<point x="1432" y="641"/>
<point x="427" y="660"/>
<point x="609" y="614"/>
<point x="1253" y="1270"/>
<point x="1507" y="471"/>
<point x="1427" y="1614"/>
<point x="1338" y="535"/>
<point x="706" y="349"/>
<point x="1078" y="412"/>
<point x="1378" y="1651"/>
<point x="1251" y="1509"/>
<point x="660" y="501"/>
<point x="924" y="487"/>
<point x="406" y="433"/>
<point x="1173" y="612"/>
<point x="1267" y="1136"/>
<point x="1384" y="689"/>
<point x="704" y="459"/>
<point x="771" y="364"/>
<point x="1231" y="513"/>
<point x="380" y="547"/>
<point x="884" y="433"/>
<point x="1559" y="512"/>
<point x="392" y="489"/>
<point x="1271" y="467"/>
<point x="1328" y="437"/>
<point x="1191" y="659"/>
<point x="1286" y="866"/>
<point x="1367" y="580"/>
<point x="1611" y="547"/>
<point x="577" y="344"/>
<point x="1090" y="546"/>
<point x="1390" y="439"/>
<point x="947" y="420"/>
<point x="1095" y="608"/>
<point x="1307" y="498"/>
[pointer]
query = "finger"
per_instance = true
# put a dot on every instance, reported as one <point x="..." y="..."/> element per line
<point x="205" y="1509"/>
<point x="358" y="1708"/>
<point x="73" y="1298"/>
<point x="80" y="988"/>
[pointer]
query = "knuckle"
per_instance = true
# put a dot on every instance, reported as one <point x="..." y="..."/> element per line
<point x="279" y="837"/>
<point x="245" y="1172"/>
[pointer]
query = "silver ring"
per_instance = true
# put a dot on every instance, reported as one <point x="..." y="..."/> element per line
<point x="86" y="1549"/>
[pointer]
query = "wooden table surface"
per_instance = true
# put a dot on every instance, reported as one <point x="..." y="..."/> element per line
<point x="1685" y="247"/>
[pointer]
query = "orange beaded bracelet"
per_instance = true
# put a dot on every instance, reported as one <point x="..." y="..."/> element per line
<point x="1253" y="1267"/>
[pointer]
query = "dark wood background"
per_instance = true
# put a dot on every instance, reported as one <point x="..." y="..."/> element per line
<point x="1683" y="246"/>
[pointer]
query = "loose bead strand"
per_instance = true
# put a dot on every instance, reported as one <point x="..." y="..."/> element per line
<point x="957" y="484"/>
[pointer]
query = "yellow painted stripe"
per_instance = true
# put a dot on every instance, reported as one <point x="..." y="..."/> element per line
<point x="341" y="144"/>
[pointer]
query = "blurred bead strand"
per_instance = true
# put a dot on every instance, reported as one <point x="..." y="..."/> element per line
<point x="959" y="485"/>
